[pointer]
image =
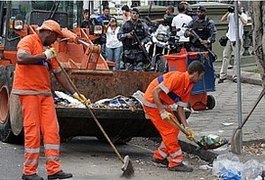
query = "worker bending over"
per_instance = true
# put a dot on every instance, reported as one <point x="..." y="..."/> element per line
<point x="167" y="89"/>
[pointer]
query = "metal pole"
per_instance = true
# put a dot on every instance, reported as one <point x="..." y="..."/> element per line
<point x="238" y="59"/>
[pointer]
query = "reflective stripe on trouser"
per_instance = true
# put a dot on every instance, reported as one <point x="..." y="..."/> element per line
<point x="40" y="118"/>
<point x="169" y="134"/>
<point x="161" y="152"/>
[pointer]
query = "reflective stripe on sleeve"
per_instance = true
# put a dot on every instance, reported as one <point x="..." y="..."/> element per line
<point x="163" y="87"/>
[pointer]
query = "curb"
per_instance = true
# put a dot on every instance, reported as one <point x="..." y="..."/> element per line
<point x="246" y="77"/>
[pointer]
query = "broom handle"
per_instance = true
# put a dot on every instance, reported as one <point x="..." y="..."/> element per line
<point x="175" y="121"/>
<point x="253" y="108"/>
<point x="91" y="112"/>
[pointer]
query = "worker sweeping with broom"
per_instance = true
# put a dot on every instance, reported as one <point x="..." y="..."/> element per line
<point x="167" y="89"/>
<point x="32" y="84"/>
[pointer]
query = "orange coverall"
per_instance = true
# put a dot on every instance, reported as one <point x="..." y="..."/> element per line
<point x="32" y="84"/>
<point x="176" y="88"/>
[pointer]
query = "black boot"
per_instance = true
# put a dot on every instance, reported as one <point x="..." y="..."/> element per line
<point x="31" y="177"/>
<point x="181" y="168"/>
<point x="160" y="163"/>
<point x="60" y="175"/>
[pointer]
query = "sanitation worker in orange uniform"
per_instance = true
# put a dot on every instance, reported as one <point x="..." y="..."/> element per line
<point x="35" y="61"/>
<point x="170" y="88"/>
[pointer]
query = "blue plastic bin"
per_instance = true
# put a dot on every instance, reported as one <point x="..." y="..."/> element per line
<point x="207" y="84"/>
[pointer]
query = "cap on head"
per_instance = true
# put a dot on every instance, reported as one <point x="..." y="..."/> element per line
<point x="51" y="25"/>
<point x="201" y="8"/>
<point x="135" y="10"/>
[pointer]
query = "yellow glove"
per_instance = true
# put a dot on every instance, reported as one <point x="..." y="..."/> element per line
<point x="50" y="53"/>
<point x="166" y="115"/>
<point x="191" y="135"/>
<point x="81" y="98"/>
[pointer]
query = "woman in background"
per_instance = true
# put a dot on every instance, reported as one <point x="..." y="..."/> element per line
<point x="113" y="45"/>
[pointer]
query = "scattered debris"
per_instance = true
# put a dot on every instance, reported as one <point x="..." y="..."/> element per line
<point x="118" y="102"/>
<point x="227" y="124"/>
<point x="228" y="166"/>
<point x="205" y="167"/>
<point x="66" y="100"/>
<point x="256" y="149"/>
<point x="211" y="141"/>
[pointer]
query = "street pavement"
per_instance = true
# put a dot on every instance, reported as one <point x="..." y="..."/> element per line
<point x="222" y="120"/>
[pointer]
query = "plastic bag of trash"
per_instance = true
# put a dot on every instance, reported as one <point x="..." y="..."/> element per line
<point x="227" y="164"/>
<point x="228" y="174"/>
<point x="251" y="169"/>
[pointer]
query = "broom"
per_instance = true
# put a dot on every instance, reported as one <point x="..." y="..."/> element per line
<point x="127" y="167"/>
<point x="237" y="136"/>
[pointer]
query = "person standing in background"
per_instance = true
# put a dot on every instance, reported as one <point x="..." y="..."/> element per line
<point x="180" y="22"/>
<point x="168" y="17"/>
<point x="229" y="16"/>
<point x="113" y="45"/>
<point x="134" y="57"/>
<point x="126" y="15"/>
<point x="88" y="22"/>
<point x="104" y="20"/>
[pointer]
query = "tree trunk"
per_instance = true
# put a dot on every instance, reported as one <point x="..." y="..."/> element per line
<point x="258" y="18"/>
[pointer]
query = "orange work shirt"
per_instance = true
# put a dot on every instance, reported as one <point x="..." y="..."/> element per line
<point x="174" y="82"/>
<point x="33" y="78"/>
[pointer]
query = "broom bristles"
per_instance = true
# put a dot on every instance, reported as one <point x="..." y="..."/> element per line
<point x="127" y="168"/>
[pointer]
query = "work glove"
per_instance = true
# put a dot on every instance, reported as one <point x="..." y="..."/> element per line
<point x="190" y="135"/>
<point x="50" y="53"/>
<point x="81" y="98"/>
<point x="166" y="115"/>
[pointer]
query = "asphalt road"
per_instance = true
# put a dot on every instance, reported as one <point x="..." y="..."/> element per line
<point x="88" y="158"/>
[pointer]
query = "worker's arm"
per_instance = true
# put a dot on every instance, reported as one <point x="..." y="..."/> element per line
<point x="157" y="100"/>
<point x="62" y="79"/>
<point x="23" y="57"/>
<point x="182" y="116"/>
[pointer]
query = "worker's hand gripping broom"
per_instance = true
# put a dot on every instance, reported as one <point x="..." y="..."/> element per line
<point x="127" y="166"/>
<point x="199" y="141"/>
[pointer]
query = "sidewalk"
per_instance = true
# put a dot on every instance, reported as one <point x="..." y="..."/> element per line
<point x="222" y="120"/>
<point x="249" y="73"/>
